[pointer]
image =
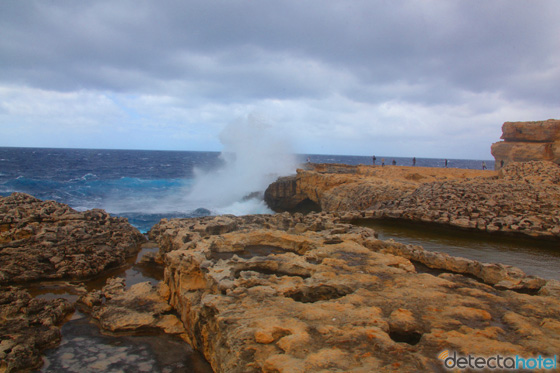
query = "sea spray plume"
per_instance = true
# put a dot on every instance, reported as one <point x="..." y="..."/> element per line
<point x="255" y="153"/>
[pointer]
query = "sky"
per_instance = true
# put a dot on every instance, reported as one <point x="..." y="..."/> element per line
<point x="424" y="78"/>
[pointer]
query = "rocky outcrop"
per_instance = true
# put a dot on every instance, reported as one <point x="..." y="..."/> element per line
<point x="27" y="327"/>
<point x="42" y="240"/>
<point x="143" y="307"/>
<point x="525" y="199"/>
<point x="332" y="187"/>
<point x="295" y="293"/>
<point x="522" y="198"/>
<point x="528" y="141"/>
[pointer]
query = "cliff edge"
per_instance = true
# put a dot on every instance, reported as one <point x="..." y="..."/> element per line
<point x="528" y="141"/>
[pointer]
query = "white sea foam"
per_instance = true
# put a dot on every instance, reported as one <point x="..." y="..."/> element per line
<point x="255" y="154"/>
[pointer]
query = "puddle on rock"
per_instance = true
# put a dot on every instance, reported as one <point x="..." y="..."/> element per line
<point x="84" y="349"/>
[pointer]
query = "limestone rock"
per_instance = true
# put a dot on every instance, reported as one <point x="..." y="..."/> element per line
<point x="528" y="141"/>
<point x="142" y="307"/>
<point x="27" y="327"/>
<point x="42" y="240"/>
<point x="523" y="200"/>
<point x="332" y="187"/>
<point x="311" y="293"/>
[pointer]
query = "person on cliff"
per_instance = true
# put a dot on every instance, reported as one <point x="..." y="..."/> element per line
<point x="484" y="165"/>
<point x="374" y="159"/>
<point x="414" y="161"/>
<point x="394" y="162"/>
<point x="446" y="163"/>
<point x="382" y="162"/>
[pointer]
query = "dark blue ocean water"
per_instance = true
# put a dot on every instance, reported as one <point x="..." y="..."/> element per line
<point x="145" y="186"/>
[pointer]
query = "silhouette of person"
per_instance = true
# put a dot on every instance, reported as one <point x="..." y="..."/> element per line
<point x="374" y="159"/>
<point x="446" y="163"/>
<point x="394" y="162"/>
<point x="414" y="161"/>
<point x="382" y="162"/>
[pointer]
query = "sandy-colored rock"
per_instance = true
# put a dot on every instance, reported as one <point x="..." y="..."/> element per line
<point x="142" y="307"/>
<point x="522" y="198"/>
<point x="42" y="240"/>
<point x="330" y="296"/>
<point x="333" y="187"/>
<point x="528" y="141"/>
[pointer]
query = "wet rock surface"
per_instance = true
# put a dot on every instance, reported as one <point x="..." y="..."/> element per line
<point x="320" y="294"/>
<point x="142" y="307"/>
<point x="27" y="327"/>
<point x="46" y="240"/>
<point x="85" y="349"/>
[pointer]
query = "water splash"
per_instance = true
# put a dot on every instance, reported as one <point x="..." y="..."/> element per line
<point x="255" y="154"/>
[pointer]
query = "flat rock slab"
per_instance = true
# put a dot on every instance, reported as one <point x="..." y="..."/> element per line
<point x="47" y="240"/>
<point x="315" y="294"/>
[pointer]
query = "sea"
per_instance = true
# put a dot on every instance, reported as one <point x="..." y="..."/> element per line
<point x="146" y="186"/>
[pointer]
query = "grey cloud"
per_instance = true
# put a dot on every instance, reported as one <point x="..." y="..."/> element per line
<point x="441" y="48"/>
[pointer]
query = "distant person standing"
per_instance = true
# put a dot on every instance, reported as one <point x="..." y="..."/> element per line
<point x="414" y="161"/>
<point x="484" y="165"/>
<point x="446" y="163"/>
<point x="382" y="162"/>
<point x="374" y="159"/>
<point x="394" y="162"/>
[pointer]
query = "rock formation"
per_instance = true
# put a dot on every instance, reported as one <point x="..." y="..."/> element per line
<point x="332" y="187"/>
<point x="42" y="240"/>
<point x="524" y="199"/>
<point x="295" y="293"/>
<point x="143" y="307"/>
<point x="528" y="141"/>
<point x="28" y="326"/>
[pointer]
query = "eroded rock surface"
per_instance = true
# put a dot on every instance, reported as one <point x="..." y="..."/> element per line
<point x="42" y="240"/>
<point x="528" y="141"/>
<point x="334" y="187"/>
<point x="27" y="327"/>
<point x="524" y="199"/>
<point x="309" y="293"/>
<point x="143" y="307"/>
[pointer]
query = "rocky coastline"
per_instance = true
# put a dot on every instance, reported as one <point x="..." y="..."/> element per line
<point x="299" y="291"/>
<point x="48" y="241"/>
<point x="521" y="199"/>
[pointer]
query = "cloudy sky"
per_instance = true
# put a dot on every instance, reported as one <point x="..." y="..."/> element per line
<point x="398" y="78"/>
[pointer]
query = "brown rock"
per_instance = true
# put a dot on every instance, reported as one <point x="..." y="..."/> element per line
<point x="27" y="327"/>
<point x="43" y="240"/>
<point x="142" y="307"/>
<point x="270" y="299"/>
<point x="528" y="141"/>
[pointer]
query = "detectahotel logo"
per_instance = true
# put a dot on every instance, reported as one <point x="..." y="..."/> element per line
<point x="455" y="361"/>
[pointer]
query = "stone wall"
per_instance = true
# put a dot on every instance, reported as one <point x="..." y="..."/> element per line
<point x="528" y="141"/>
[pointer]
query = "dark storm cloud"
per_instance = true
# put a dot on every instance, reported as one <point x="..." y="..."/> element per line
<point x="257" y="49"/>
